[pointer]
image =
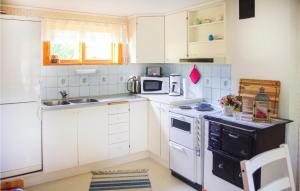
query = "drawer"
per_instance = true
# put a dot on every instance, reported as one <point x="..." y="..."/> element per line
<point x="118" y="108"/>
<point x="118" y="138"/>
<point x="117" y="150"/>
<point x="118" y="128"/>
<point x="119" y="118"/>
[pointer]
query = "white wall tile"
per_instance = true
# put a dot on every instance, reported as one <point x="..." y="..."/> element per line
<point x="84" y="80"/>
<point x="51" y="82"/>
<point x="216" y="83"/>
<point x="74" y="91"/>
<point x="206" y="70"/>
<point x="51" y="93"/>
<point x="224" y="93"/>
<point x="207" y="94"/>
<point x="84" y="91"/>
<point x="74" y="81"/>
<point x="93" y="80"/>
<point x="216" y="96"/>
<point x="51" y="71"/>
<point x="103" y="90"/>
<point x="112" y="79"/>
<point x="103" y="80"/>
<point x="216" y="70"/>
<point x="225" y="84"/>
<point x="63" y="81"/>
<point x="94" y="90"/>
<point x="207" y="82"/>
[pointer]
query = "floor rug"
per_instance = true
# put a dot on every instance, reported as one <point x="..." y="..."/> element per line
<point x="123" y="180"/>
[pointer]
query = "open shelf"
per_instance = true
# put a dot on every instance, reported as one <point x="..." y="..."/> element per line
<point x="206" y="24"/>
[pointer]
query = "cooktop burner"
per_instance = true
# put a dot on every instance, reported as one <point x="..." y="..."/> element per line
<point x="185" y="107"/>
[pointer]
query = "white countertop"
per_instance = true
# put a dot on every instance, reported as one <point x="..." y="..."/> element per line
<point x="160" y="98"/>
<point x="170" y="100"/>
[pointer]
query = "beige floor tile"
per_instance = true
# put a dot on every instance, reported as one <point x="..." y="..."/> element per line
<point x="160" y="177"/>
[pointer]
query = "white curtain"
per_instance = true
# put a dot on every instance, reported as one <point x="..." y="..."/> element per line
<point x="50" y="27"/>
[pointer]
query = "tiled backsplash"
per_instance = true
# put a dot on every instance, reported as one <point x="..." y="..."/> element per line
<point x="215" y="80"/>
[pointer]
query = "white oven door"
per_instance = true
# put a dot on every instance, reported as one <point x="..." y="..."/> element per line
<point x="182" y="161"/>
<point x="182" y="130"/>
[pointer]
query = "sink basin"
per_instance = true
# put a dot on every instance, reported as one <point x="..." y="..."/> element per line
<point x="56" y="102"/>
<point x="83" y="100"/>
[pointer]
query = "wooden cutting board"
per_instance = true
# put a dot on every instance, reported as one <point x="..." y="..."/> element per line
<point x="249" y="88"/>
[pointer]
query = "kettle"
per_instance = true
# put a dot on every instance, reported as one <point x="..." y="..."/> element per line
<point x="134" y="85"/>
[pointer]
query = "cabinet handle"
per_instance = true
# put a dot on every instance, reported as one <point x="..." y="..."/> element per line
<point x="220" y="166"/>
<point x="177" y="148"/>
<point x="233" y="136"/>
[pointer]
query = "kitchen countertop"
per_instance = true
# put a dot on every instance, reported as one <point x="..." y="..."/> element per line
<point x="104" y="100"/>
<point x="219" y="117"/>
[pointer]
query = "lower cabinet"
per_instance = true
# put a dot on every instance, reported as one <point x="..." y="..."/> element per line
<point x="92" y="134"/>
<point x="138" y="126"/>
<point x="158" y="133"/>
<point x="59" y="139"/>
<point x="74" y="137"/>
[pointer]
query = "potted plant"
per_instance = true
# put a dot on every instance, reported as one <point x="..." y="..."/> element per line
<point x="230" y="103"/>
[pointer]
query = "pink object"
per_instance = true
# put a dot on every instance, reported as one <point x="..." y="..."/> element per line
<point x="195" y="75"/>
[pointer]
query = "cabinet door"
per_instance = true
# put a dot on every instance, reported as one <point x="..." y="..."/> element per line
<point x="59" y="140"/>
<point x="150" y="39"/>
<point x="138" y="126"/>
<point x="93" y="134"/>
<point x="154" y="128"/>
<point x="176" y="37"/>
<point x="164" y="138"/>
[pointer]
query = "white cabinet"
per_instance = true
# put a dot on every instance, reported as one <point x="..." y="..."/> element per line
<point x="59" y="139"/>
<point x="175" y="37"/>
<point x="92" y="134"/>
<point x="138" y="126"/>
<point x="73" y="137"/>
<point x="154" y="128"/>
<point x="146" y="39"/>
<point x="164" y="137"/>
<point x="158" y="133"/>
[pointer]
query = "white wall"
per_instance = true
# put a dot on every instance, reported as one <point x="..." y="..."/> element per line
<point x="266" y="47"/>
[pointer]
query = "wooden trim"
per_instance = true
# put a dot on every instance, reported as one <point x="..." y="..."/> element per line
<point x="117" y="56"/>
<point x="46" y="53"/>
<point x="118" y="102"/>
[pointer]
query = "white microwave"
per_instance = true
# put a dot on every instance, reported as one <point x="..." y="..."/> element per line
<point x="154" y="85"/>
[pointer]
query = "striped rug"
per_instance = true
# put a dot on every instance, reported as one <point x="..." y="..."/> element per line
<point x="124" y="180"/>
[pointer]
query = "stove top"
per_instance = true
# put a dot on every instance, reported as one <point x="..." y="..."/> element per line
<point x="195" y="110"/>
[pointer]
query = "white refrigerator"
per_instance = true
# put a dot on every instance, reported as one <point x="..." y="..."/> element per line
<point x="20" y="130"/>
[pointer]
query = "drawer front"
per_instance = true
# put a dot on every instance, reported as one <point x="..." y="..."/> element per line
<point x="118" y="108"/>
<point x="223" y="167"/>
<point x="182" y="161"/>
<point x="118" y="128"/>
<point x="120" y="149"/>
<point x="237" y="144"/>
<point x="119" y="118"/>
<point x="118" y="138"/>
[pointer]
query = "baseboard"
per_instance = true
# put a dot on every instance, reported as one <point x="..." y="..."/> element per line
<point x="40" y="177"/>
<point x="159" y="160"/>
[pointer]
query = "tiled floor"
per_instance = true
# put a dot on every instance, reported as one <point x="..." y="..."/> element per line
<point x="160" y="177"/>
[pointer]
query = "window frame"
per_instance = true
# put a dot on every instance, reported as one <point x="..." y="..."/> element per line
<point x="116" y="48"/>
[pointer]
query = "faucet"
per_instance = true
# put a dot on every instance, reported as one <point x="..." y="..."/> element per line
<point x="63" y="94"/>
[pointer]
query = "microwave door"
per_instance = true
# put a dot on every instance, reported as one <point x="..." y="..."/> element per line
<point x="152" y="85"/>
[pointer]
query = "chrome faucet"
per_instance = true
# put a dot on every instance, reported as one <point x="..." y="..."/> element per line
<point x="63" y="94"/>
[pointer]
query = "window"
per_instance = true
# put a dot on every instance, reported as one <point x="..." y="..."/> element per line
<point x="77" y="43"/>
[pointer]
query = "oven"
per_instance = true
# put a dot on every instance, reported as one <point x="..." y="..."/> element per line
<point x="186" y="160"/>
<point x="229" y="146"/>
<point x="152" y="85"/>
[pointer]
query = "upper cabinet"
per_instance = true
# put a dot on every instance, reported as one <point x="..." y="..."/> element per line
<point x="176" y="37"/>
<point x="146" y="39"/>
<point x="206" y="32"/>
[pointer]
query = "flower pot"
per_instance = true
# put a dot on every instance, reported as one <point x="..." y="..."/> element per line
<point x="227" y="110"/>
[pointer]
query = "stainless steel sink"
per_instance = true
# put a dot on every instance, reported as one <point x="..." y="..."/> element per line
<point x="83" y="100"/>
<point x="56" y="102"/>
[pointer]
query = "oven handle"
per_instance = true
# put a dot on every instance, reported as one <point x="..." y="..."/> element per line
<point x="177" y="147"/>
<point x="233" y="136"/>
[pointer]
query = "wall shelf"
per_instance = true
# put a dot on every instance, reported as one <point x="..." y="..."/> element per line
<point x="206" y="24"/>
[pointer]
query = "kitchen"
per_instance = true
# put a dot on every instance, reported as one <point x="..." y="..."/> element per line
<point x="153" y="40"/>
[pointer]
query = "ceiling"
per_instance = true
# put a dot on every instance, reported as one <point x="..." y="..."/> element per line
<point x="110" y="7"/>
